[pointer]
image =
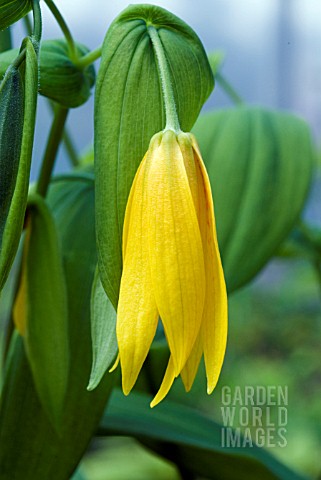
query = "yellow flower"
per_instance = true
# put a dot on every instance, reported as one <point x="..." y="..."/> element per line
<point x="172" y="267"/>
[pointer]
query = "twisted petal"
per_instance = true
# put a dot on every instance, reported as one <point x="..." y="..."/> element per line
<point x="214" y="323"/>
<point x="175" y="249"/>
<point x="137" y="314"/>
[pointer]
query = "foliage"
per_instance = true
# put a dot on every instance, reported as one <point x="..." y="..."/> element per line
<point x="61" y="256"/>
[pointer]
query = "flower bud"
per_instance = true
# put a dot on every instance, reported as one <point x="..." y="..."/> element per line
<point x="60" y="79"/>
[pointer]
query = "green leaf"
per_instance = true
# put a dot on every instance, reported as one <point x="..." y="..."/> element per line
<point x="16" y="211"/>
<point x="260" y="164"/>
<point x="12" y="10"/>
<point x="41" y="309"/>
<point x="11" y="125"/>
<point x="129" y="110"/>
<point x="30" y="448"/>
<point x="103" y="332"/>
<point x="190" y="439"/>
<point x="60" y="79"/>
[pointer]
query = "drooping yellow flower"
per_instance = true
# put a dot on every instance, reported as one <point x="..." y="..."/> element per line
<point x="172" y="267"/>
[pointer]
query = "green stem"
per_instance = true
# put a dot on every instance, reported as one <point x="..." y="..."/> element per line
<point x="36" y="34"/>
<point x="53" y="143"/>
<point x="68" y="142"/>
<point x="37" y="21"/>
<point x="64" y="28"/>
<point x="228" y="89"/>
<point x="90" y="58"/>
<point x="172" y="122"/>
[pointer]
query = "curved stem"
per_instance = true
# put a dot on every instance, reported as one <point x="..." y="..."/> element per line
<point x="64" y="28"/>
<point x="37" y="21"/>
<point x="90" y="58"/>
<point x="53" y="143"/>
<point x="36" y="34"/>
<point x="229" y="90"/>
<point x="172" y="122"/>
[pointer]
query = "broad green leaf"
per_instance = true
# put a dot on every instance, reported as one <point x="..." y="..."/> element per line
<point x="59" y="79"/>
<point x="12" y="10"/>
<point x="16" y="212"/>
<point x="103" y="332"/>
<point x="30" y="448"/>
<point x="129" y="110"/>
<point x="40" y="311"/>
<point x="260" y="164"/>
<point x="195" y="439"/>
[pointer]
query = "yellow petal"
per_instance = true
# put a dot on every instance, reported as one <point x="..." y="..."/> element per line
<point x="137" y="314"/>
<point x="214" y="323"/>
<point x="167" y="382"/>
<point x="128" y="211"/>
<point x="189" y="371"/>
<point x="175" y="249"/>
<point x="113" y="368"/>
<point x="155" y="141"/>
<point x="190" y="167"/>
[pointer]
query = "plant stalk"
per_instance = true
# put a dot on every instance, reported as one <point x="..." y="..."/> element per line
<point x="89" y="58"/>
<point x="64" y="28"/>
<point x="37" y="21"/>
<point x="172" y="122"/>
<point x="51" y="151"/>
